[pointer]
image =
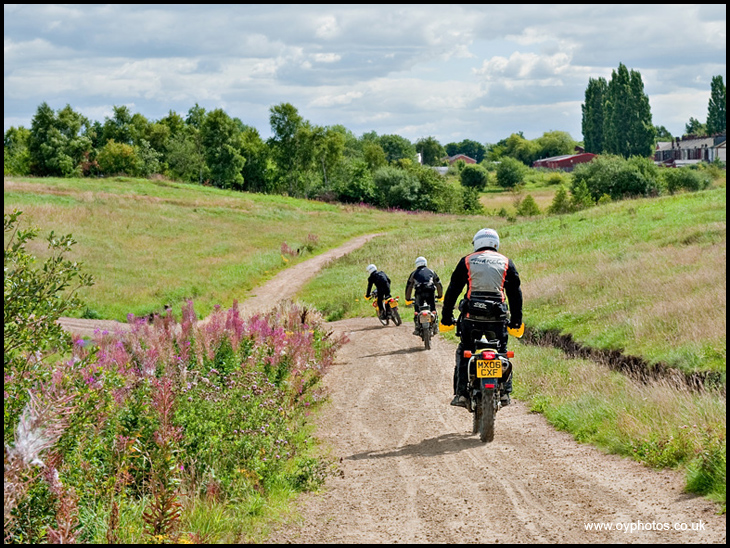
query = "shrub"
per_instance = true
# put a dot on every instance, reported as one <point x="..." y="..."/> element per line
<point x="474" y="176"/>
<point x="617" y="177"/>
<point x="118" y="158"/>
<point x="683" y="178"/>
<point x="510" y="172"/>
<point x="560" y="203"/>
<point x="528" y="207"/>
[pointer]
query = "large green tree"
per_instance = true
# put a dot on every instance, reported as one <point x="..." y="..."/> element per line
<point x="593" y="114"/>
<point x="717" y="107"/>
<point x="285" y="122"/>
<point x="431" y="151"/>
<point x="222" y="144"/>
<point x="627" y="126"/>
<point x="57" y="144"/>
<point x="397" y="148"/>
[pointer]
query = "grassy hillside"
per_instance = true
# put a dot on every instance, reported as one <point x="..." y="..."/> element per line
<point x="645" y="277"/>
<point x="151" y="243"/>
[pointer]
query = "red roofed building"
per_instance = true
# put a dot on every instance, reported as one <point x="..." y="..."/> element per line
<point x="566" y="162"/>
<point x="455" y="157"/>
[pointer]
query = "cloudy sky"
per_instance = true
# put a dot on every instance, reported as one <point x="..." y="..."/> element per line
<point x="451" y="71"/>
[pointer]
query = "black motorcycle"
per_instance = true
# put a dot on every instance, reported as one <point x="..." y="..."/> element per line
<point x="488" y="370"/>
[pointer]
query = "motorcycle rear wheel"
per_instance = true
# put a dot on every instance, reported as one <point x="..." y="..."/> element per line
<point x="486" y="415"/>
<point x="385" y="320"/>
<point x="396" y="316"/>
<point x="426" y="335"/>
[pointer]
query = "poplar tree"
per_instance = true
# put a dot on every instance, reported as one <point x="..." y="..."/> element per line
<point x="593" y="113"/>
<point x="717" y="107"/>
<point x="627" y="126"/>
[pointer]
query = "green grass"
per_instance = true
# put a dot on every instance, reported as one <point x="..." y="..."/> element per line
<point x="644" y="276"/>
<point x="148" y="243"/>
<point x="624" y="276"/>
<point x="653" y="423"/>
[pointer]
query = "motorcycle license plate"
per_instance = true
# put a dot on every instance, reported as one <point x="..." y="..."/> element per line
<point x="489" y="369"/>
<point x="393" y="304"/>
<point x="425" y="319"/>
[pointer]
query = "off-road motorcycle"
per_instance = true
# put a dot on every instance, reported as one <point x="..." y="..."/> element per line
<point x="390" y="309"/>
<point x="426" y="324"/>
<point x="488" y="371"/>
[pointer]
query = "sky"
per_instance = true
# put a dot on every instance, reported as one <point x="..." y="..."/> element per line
<point x="448" y="71"/>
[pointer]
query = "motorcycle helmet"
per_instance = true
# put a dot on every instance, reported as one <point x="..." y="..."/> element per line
<point x="421" y="261"/>
<point x="486" y="237"/>
<point x="371" y="268"/>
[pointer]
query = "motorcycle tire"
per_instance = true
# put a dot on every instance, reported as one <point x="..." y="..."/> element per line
<point x="476" y="418"/>
<point x="396" y="316"/>
<point x="486" y="415"/>
<point x="385" y="320"/>
<point x="426" y="336"/>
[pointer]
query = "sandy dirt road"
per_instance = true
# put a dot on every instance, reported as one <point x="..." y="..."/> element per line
<point x="410" y="471"/>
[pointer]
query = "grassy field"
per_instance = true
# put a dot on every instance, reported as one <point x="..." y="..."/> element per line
<point x="646" y="277"/>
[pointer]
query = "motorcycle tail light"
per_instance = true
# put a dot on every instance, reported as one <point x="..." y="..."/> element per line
<point x="488" y="355"/>
<point x="510" y="354"/>
<point x="467" y="353"/>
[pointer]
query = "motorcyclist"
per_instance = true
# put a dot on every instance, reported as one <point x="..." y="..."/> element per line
<point x="380" y="280"/>
<point x="489" y="277"/>
<point x="427" y="286"/>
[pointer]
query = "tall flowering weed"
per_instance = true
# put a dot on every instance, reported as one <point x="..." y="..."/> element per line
<point x="162" y="412"/>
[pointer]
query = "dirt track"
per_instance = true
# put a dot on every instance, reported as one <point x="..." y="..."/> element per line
<point x="411" y="471"/>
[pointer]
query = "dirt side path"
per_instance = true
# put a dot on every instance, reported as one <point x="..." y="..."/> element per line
<point x="412" y="472"/>
<point x="282" y="286"/>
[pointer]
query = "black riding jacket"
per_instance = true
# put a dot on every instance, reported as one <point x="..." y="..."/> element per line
<point x="381" y="282"/>
<point x="486" y="274"/>
<point x="425" y="281"/>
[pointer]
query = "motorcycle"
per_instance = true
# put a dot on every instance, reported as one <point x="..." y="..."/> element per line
<point x="390" y="308"/>
<point x="426" y="324"/>
<point x="488" y="370"/>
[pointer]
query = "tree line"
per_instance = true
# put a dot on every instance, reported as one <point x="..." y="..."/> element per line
<point x="302" y="159"/>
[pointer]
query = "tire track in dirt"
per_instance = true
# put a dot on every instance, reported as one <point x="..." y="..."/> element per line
<point x="411" y="471"/>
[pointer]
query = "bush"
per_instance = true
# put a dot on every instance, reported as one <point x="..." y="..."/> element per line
<point x="396" y="188"/>
<point x="34" y="300"/>
<point x="683" y="178"/>
<point x="617" y="177"/>
<point x="528" y="207"/>
<point x="560" y="203"/>
<point x="510" y="172"/>
<point x="474" y="176"/>
<point x="117" y="159"/>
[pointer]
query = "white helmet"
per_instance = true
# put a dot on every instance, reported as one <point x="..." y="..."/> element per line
<point x="371" y="268"/>
<point x="486" y="237"/>
<point x="420" y="261"/>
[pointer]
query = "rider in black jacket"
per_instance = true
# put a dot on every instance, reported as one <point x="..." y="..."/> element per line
<point x="380" y="280"/>
<point x="427" y="286"/>
<point x="490" y="279"/>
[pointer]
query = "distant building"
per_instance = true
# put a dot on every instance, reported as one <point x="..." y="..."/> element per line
<point x="690" y="150"/>
<point x="565" y="162"/>
<point x="455" y="157"/>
